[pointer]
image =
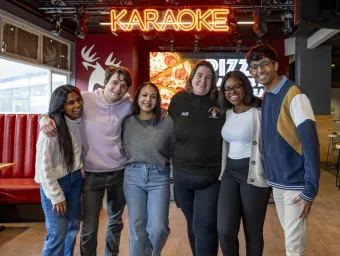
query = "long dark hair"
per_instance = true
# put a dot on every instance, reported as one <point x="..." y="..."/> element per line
<point x="157" y="110"/>
<point x="249" y="99"/>
<point x="56" y="112"/>
<point x="207" y="64"/>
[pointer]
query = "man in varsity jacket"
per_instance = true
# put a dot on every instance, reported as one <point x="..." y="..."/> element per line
<point x="290" y="146"/>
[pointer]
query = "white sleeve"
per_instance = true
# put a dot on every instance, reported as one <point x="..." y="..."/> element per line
<point x="301" y="109"/>
<point x="48" y="178"/>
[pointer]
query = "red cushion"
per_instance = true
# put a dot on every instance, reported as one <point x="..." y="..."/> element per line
<point x="22" y="190"/>
<point x="32" y="133"/>
<point x="19" y="146"/>
<point x="2" y="131"/>
<point x="8" y="144"/>
<point x="18" y="138"/>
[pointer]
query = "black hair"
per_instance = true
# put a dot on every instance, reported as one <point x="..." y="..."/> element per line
<point x="157" y="110"/>
<point x="249" y="99"/>
<point x="260" y="51"/>
<point x="56" y="112"/>
<point x="207" y="64"/>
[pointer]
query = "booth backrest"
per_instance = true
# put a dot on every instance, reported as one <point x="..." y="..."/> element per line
<point x="18" y="138"/>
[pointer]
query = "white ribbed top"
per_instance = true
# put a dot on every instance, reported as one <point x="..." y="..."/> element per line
<point x="237" y="131"/>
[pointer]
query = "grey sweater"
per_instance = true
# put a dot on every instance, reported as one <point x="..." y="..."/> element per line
<point x="150" y="145"/>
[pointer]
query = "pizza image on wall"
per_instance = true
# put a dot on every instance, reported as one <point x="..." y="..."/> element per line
<point x="170" y="73"/>
<point x="166" y="95"/>
<point x="161" y="61"/>
<point x="175" y="77"/>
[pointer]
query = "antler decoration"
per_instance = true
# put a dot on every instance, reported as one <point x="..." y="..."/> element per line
<point x="110" y="62"/>
<point x="86" y="54"/>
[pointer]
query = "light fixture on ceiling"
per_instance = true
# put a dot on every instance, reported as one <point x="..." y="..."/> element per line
<point x="260" y="23"/>
<point x="196" y="46"/>
<point x="238" y="45"/>
<point x="238" y="41"/>
<point x="287" y="18"/>
<point x="81" y="18"/>
<point x="172" y="45"/>
<point x="56" y="28"/>
<point x="245" y="22"/>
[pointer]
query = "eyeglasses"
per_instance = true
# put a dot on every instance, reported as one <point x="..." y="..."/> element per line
<point x="235" y="88"/>
<point x="263" y="65"/>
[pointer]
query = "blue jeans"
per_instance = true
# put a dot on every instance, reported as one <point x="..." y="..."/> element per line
<point x="93" y="193"/>
<point x="62" y="231"/>
<point x="147" y="193"/>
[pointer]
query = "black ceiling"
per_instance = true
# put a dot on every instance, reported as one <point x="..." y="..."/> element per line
<point x="98" y="10"/>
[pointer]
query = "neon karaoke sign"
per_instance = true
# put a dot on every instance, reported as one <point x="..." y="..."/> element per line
<point x="183" y="20"/>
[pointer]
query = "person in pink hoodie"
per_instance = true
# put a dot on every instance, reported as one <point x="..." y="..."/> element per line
<point x="103" y="157"/>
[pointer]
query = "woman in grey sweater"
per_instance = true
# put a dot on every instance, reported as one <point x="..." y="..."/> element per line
<point x="148" y="143"/>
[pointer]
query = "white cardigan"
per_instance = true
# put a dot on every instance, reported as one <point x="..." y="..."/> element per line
<point x="256" y="175"/>
<point x="49" y="166"/>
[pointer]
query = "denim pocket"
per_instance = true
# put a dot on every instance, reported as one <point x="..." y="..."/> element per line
<point x="65" y="182"/>
<point x="163" y="170"/>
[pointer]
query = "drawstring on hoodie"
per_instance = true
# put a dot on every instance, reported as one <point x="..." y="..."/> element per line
<point x="111" y="117"/>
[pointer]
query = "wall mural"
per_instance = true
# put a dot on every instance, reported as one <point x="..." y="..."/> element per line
<point x="98" y="72"/>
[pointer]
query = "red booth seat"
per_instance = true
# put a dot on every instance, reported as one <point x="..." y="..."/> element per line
<point x="18" y="137"/>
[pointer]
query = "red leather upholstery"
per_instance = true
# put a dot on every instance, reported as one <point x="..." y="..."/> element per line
<point x="18" y="137"/>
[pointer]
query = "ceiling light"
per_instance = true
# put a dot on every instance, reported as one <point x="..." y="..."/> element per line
<point x="56" y="28"/>
<point x="196" y="47"/>
<point x="287" y="19"/>
<point x="245" y="22"/>
<point x="81" y="18"/>
<point x="260" y="23"/>
<point x="172" y="45"/>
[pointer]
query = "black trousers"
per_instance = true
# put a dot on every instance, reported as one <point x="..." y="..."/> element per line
<point x="197" y="197"/>
<point x="237" y="200"/>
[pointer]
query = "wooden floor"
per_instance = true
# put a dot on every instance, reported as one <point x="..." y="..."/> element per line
<point x="323" y="230"/>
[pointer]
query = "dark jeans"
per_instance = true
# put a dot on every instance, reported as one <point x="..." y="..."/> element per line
<point x="238" y="200"/>
<point x="92" y="197"/>
<point x="197" y="197"/>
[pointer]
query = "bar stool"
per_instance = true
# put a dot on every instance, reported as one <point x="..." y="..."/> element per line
<point x="331" y="137"/>
<point x="337" y="183"/>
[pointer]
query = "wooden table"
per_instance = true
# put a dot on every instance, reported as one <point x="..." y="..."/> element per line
<point x="6" y="165"/>
<point x="2" y="167"/>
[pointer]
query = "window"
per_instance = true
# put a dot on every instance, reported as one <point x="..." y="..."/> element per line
<point x="26" y="88"/>
<point x="55" y="53"/>
<point x="58" y="80"/>
<point x="15" y="42"/>
<point x="32" y="64"/>
<point x="23" y="43"/>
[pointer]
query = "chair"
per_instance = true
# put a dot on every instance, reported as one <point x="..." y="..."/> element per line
<point x="337" y="183"/>
<point x="331" y="137"/>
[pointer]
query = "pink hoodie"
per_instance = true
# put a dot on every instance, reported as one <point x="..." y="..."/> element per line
<point x="101" y="132"/>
